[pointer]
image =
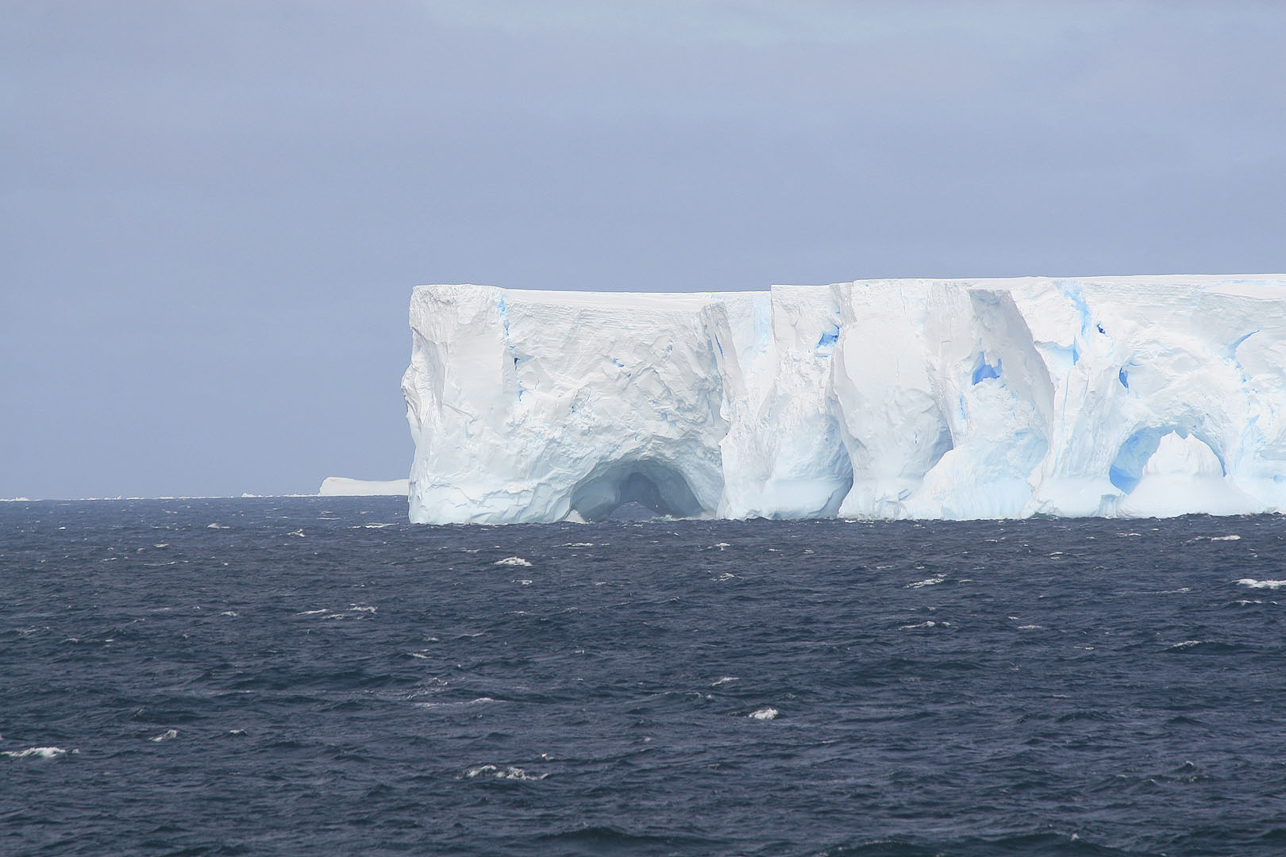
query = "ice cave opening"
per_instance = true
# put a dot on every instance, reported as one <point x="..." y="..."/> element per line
<point x="652" y="484"/>
<point x="1127" y="470"/>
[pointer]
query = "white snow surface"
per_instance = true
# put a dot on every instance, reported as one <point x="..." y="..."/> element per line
<point x="908" y="398"/>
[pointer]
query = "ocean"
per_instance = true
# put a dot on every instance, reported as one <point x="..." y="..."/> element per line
<point x="285" y="676"/>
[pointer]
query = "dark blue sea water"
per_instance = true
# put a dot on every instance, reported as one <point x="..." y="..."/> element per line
<point x="316" y="676"/>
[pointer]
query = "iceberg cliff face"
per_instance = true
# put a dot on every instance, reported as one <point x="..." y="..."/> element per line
<point x="1133" y="396"/>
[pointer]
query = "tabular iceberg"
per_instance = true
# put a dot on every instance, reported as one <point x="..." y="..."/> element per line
<point x="908" y="398"/>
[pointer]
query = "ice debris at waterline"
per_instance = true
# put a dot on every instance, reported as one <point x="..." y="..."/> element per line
<point x="1133" y="396"/>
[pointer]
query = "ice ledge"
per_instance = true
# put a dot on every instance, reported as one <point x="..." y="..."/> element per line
<point x="925" y="398"/>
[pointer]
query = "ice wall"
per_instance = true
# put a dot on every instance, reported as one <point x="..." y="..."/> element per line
<point x="1134" y="396"/>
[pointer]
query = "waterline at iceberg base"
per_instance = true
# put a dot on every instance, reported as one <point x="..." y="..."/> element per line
<point x="908" y="398"/>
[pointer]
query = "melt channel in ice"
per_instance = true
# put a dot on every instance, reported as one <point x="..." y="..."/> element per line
<point x="1132" y="396"/>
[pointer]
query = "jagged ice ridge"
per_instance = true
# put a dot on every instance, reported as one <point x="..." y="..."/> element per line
<point x="908" y="398"/>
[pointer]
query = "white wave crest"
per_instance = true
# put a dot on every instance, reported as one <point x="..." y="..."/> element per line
<point x="37" y="752"/>
<point x="513" y="560"/>
<point x="482" y="700"/>
<point x="507" y="772"/>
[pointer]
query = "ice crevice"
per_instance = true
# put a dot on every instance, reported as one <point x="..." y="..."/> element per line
<point x="904" y="398"/>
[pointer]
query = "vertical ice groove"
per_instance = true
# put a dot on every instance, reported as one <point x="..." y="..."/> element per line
<point x="924" y="398"/>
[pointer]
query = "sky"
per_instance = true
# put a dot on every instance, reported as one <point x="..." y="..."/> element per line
<point x="212" y="213"/>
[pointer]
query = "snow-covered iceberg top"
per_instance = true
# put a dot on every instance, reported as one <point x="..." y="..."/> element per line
<point x="904" y="398"/>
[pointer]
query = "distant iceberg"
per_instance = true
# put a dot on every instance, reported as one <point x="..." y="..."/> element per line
<point x="339" y="486"/>
<point x="959" y="399"/>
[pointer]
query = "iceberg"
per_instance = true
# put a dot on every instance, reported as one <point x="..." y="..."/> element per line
<point x="340" y="486"/>
<point x="902" y="398"/>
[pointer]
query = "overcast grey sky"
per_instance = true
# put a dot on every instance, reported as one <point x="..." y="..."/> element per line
<point x="212" y="213"/>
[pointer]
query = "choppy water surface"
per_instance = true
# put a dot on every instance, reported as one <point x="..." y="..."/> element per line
<point x="317" y="676"/>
